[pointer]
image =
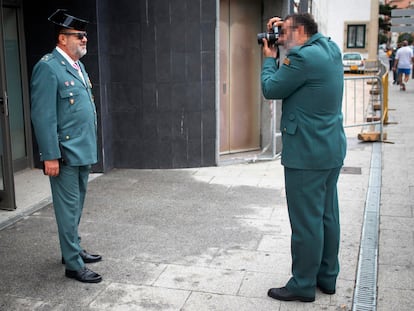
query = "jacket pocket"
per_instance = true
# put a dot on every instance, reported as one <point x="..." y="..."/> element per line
<point x="69" y="134"/>
<point x="289" y="125"/>
<point x="71" y="97"/>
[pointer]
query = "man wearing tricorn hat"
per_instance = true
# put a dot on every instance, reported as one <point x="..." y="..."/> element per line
<point x="65" y="124"/>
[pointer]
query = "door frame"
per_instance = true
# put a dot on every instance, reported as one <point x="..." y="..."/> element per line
<point x="239" y="117"/>
<point x="7" y="193"/>
<point x="28" y="160"/>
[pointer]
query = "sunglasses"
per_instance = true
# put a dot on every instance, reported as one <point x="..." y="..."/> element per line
<point x="79" y="35"/>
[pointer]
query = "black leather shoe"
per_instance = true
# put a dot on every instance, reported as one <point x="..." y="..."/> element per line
<point x="284" y="294"/>
<point x="86" y="257"/>
<point x="84" y="275"/>
<point x="89" y="258"/>
<point x="326" y="290"/>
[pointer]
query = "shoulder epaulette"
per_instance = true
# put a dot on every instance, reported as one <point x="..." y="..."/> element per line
<point x="47" y="57"/>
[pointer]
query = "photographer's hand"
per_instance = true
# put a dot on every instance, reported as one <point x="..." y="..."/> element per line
<point x="274" y="20"/>
<point x="269" y="51"/>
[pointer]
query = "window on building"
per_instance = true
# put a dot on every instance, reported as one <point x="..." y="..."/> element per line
<point x="356" y="36"/>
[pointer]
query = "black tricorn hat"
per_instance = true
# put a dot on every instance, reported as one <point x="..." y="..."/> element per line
<point x="62" y="19"/>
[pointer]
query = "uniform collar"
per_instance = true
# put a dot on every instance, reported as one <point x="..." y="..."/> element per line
<point x="65" y="55"/>
<point x="314" y="38"/>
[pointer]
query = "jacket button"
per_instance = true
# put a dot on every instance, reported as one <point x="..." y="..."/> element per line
<point x="292" y="117"/>
<point x="67" y="137"/>
<point x="284" y="129"/>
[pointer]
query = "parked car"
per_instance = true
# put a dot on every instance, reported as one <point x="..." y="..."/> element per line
<point x="353" y="62"/>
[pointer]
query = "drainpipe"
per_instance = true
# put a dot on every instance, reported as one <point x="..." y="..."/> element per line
<point x="373" y="32"/>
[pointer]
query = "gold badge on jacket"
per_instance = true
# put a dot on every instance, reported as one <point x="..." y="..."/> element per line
<point x="286" y="61"/>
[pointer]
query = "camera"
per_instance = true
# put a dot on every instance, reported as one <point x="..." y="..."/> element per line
<point x="272" y="37"/>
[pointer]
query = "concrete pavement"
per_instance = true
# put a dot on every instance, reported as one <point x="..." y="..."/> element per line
<point x="214" y="238"/>
<point x="396" y="242"/>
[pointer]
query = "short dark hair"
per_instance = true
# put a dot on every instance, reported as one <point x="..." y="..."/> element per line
<point x="58" y="30"/>
<point x="306" y="20"/>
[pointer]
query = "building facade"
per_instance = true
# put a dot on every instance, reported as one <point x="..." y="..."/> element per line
<point x="400" y="4"/>
<point x="176" y="82"/>
<point x="352" y="24"/>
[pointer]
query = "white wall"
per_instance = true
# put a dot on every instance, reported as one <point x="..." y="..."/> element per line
<point x="332" y="14"/>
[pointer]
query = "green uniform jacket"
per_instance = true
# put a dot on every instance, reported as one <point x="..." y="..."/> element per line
<point x="310" y="83"/>
<point x="63" y="112"/>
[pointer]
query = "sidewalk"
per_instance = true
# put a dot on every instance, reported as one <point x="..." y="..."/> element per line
<point x="213" y="238"/>
<point x="396" y="247"/>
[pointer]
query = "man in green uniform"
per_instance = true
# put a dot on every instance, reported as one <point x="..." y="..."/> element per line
<point x="310" y="83"/>
<point x="64" y="120"/>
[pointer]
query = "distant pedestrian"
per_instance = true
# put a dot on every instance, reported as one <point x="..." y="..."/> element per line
<point x="64" y="120"/>
<point x="412" y="71"/>
<point x="403" y="62"/>
<point x="392" y="53"/>
<point x="310" y="84"/>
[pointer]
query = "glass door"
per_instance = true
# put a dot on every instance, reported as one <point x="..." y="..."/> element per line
<point x="16" y="88"/>
<point x="7" y="194"/>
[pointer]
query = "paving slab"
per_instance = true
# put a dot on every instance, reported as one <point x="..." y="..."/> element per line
<point x="212" y="238"/>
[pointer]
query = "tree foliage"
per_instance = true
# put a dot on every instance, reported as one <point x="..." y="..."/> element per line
<point x="384" y="22"/>
<point x="385" y="9"/>
<point x="382" y="38"/>
<point x="405" y="36"/>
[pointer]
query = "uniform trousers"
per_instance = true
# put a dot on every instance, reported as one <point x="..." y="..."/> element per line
<point x="314" y="218"/>
<point x="68" y="193"/>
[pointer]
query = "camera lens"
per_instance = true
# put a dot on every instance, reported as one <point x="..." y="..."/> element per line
<point x="269" y="36"/>
<point x="260" y="37"/>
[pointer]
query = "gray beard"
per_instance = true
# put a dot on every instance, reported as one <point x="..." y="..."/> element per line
<point x="82" y="53"/>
